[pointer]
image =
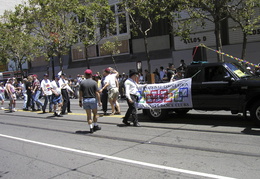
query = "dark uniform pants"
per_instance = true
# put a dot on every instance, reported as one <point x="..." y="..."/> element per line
<point x="132" y="109"/>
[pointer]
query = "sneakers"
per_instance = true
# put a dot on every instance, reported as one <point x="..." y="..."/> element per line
<point x="96" y="128"/>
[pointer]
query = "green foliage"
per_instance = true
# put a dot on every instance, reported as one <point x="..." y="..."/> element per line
<point x="94" y="15"/>
<point x="16" y="44"/>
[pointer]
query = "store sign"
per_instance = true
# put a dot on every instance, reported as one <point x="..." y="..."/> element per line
<point x="207" y="38"/>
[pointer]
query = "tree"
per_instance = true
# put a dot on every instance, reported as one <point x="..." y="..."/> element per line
<point x="213" y="10"/>
<point x="244" y="14"/>
<point x="16" y="44"/>
<point x="53" y="24"/>
<point x="143" y="14"/>
<point x="96" y="20"/>
<point x="112" y="48"/>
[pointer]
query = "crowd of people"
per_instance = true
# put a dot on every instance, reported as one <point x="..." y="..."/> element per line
<point x="91" y="90"/>
<point x="54" y="95"/>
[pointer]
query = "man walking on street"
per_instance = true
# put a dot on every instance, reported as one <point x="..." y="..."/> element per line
<point x="88" y="97"/>
<point x="65" y="95"/>
<point x="56" y="96"/>
<point x="36" y="92"/>
<point x="47" y="93"/>
<point x="131" y="92"/>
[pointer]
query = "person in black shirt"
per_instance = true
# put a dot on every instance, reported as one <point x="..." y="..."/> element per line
<point x="28" y="87"/>
<point x="88" y="97"/>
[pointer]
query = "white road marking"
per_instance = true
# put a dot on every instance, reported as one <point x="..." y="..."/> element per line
<point x="120" y="159"/>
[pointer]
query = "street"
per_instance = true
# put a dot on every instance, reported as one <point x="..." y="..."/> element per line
<point x="198" y="145"/>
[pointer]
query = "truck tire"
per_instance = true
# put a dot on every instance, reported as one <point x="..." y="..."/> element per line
<point x="255" y="112"/>
<point x="157" y="114"/>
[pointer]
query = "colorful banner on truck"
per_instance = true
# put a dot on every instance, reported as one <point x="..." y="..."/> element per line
<point x="175" y="94"/>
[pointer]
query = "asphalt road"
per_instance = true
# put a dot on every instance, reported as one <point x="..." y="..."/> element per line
<point x="198" y="145"/>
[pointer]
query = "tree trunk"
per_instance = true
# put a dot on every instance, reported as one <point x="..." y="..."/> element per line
<point x="218" y="40"/>
<point x="147" y="53"/>
<point x="243" y="55"/>
<point x="20" y="68"/>
<point x="61" y="62"/>
<point x="114" y="62"/>
<point x="86" y="56"/>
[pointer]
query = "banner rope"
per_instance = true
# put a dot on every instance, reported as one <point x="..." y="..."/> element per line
<point x="230" y="56"/>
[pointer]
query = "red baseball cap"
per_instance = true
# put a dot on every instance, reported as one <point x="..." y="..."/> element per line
<point x="107" y="70"/>
<point x="88" y="72"/>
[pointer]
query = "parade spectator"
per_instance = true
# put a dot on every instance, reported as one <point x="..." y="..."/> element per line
<point x="146" y="76"/>
<point x="46" y="92"/>
<point x="88" y="98"/>
<point x="170" y="71"/>
<point x="177" y="76"/>
<point x="97" y="79"/>
<point x="141" y="78"/>
<point x="156" y="75"/>
<point x="75" y="88"/>
<point x="162" y="73"/>
<point x="65" y="95"/>
<point x="182" y="66"/>
<point x="122" y="86"/>
<point x="79" y="78"/>
<point x="56" y="96"/>
<point x="257" y="70"/>
<point x="10" y="89"/>
<point x="36" y="92"/>
<point x="131" y="88"/>
<point x="2" y="95"/>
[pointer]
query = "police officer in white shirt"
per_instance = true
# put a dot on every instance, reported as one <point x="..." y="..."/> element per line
<point x="131" y="92"/>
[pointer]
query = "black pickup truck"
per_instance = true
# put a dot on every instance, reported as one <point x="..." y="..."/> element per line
<point x="220" y="86"/>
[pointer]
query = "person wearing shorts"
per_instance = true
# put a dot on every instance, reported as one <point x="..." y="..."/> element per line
<point x="56" y="96"/>
<point x="111" y="84"/>
<point x="88" y="98"/>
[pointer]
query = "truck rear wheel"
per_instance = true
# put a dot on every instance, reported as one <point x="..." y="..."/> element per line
<point x="157" y="114"/>
<point x="255" y="112"/>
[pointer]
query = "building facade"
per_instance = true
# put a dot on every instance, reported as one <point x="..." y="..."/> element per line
<point x="164" y="48"/>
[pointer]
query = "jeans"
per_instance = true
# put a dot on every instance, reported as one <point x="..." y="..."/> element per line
<point x="25" y="98"/>
<point x="36" y="100"/>
<point x="47" y="98"/>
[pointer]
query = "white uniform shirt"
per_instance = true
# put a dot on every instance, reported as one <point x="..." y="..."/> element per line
<point x="131" y="87"/>
<point x="64" y="84"/>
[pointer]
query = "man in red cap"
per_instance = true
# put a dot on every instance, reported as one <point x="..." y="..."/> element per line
<point x="88" y="97"/>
